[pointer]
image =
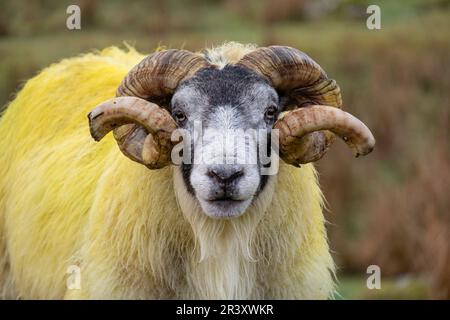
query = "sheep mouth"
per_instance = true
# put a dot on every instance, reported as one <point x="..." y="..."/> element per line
<point x="224" y="207"/>
<point x="224" y="200"/>
<point x="225" y="203"/>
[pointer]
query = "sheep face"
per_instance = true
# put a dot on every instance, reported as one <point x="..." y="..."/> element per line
<point x="228" y="115"/>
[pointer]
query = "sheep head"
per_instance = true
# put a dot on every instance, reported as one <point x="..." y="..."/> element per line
<point x="269" y="88"/>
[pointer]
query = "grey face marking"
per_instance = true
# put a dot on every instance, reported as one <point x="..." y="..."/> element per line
<point x="227" y="101"/>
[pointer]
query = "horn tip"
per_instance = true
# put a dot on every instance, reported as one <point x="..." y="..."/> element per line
<point x="365" y="151"/>
<point x="95" y="135"/>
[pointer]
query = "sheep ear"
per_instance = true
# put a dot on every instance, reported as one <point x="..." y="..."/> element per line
<point x="142" y="129"/>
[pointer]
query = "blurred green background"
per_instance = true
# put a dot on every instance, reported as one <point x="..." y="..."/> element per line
<point x="391" y="208"/>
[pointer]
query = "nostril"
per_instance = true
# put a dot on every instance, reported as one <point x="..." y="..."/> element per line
<point x="225" y="175"/>
<point x="213" y="174"/>
<point x="236" y="175"/>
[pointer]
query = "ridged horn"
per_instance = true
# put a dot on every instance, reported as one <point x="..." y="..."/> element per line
<point x="149" y="142"/>
<point x="159" y="74"/>
<point x="141" y="128"/>
<point x="303" y="82"/>
<point x="298" y="123"/>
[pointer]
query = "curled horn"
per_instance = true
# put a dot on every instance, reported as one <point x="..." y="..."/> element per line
<point x="307" y="131"/>
<point x="303" y="121"/>
<point x="141" y="128"/>
<point x="146" y="141"/>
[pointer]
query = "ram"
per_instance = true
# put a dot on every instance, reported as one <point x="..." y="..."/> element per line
<point x="131" y="222"/>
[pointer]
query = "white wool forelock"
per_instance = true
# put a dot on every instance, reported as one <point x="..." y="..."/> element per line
<point x="227" y="53"/>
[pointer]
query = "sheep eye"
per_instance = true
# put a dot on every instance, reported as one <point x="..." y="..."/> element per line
<point x="180" y="116"/>
<point x="270" y="113"/>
